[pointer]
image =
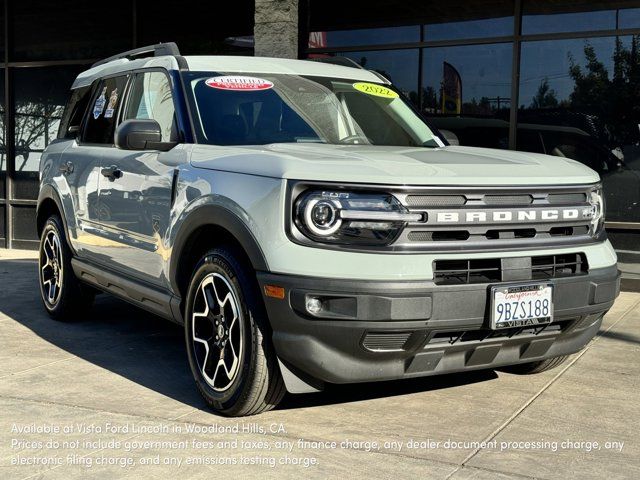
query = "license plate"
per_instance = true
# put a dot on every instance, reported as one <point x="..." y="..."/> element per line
<point x="521" y="305"/>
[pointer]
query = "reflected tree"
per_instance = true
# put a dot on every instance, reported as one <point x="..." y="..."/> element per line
<point x="545" y="97"/>
<point x="613" y="99"/>
<point x="33" y="122"/>
<point x="33" y="125"/>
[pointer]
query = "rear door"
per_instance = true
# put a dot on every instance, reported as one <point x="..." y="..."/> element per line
<point x="82" y="161"/>
<point x="135" y="207"/>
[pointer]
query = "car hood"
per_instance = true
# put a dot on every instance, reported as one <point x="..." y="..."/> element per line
<point x="451" y="165"/>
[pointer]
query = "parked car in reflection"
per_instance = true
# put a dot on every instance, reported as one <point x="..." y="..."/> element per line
<point x="558" y="140"/>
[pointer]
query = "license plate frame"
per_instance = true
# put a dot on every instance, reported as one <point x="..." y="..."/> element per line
<point x="544" y="290"/>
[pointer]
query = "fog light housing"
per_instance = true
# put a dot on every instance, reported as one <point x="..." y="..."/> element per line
<point x="313" y="305"/>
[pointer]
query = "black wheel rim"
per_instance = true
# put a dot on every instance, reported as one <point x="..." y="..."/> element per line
<point x="217" y="332"/>
<point x="51" y="268"/>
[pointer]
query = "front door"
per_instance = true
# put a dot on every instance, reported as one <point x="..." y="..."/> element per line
<point x="135" y="202"/>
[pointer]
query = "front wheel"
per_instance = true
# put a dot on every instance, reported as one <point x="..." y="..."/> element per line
<point x="227" y="338"/>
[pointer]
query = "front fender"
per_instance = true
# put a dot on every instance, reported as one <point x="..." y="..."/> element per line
<point x="215" y="214"/>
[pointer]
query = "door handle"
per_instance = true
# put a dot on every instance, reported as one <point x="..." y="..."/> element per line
<point x="111" y="172"/>
<point x="66" y="168"/>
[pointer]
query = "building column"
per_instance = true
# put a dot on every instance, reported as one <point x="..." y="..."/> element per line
<point x="276" y="28"/>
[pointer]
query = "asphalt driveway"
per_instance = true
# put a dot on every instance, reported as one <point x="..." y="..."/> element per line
<point x="112" y="397"/>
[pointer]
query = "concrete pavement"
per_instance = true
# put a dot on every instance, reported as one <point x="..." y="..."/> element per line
<point x="112" y="397"/>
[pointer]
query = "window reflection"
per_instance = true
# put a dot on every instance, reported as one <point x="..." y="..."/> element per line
<point x="490" y="27"/>
<point x="3" y="150"/>
<point x="551" y="16"/>
<point x="40" y="96"/>
<point x="381" y="22"/>
<point x="629" y="18"/>
<point x="399" y="66"/>
<point x="466" y="91"/>
<point x="578" y="99"/>
<point x="44" y="30"/>
<point x="364" y="36"/>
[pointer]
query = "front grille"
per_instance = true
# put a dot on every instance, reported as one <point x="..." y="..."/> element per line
<point x="452" y="272"/>
<point x="489" y="270"/>
<point x="423" y="201"/>
<point x="567" y="198"/>
<point x="496" y="218"/>
<point x="465" y="336"/>
<point x="557" y="266"/>
<point x="508" y="199"/>
<point x="385" y="341"/>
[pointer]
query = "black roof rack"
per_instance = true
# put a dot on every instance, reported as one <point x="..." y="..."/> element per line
<point x="159" y="49"/>
<point x="342" y="61"/>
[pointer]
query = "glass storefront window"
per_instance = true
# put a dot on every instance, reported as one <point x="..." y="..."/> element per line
<point x="67" y="29"/>
<point x="629" y="18"/>
<point x="3" y="163"/>
<point x="399" y="66"/>
<point x="466" y="90"/>
<point x="198" y="27"/>
<point x="25" y="231"/>
<point x="551" y="16"/>
<point x="3" y="148"/>
<point x="40" y="96"/>
<point x="364" y="36"/>
<point x="578" y="99"/>
<point x="460" y="19"/>
<point x="340" y="24"/>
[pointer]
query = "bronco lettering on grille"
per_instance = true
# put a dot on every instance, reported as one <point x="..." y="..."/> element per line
<point x="520" y="216"/>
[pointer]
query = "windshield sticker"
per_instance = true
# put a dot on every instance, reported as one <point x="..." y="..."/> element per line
<point x="113" y="100"/>
<point x="239" y="83"/>
<point x="98" y="107"/>
<point x="375" y="90"/>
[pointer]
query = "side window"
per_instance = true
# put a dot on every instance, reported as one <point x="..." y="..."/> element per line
<point x="103" y="111"/>
<point x="151" y="97"/>
<point x="74" y="112"/>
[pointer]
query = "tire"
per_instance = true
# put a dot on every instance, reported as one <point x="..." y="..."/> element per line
<point x="62" y="294"/>
<point x="536" y="367"/>
<point x="225" y="320"/>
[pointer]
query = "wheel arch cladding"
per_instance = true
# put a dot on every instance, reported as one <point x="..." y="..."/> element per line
<point x="48" y="204"/>
<point x="205" y="228"/>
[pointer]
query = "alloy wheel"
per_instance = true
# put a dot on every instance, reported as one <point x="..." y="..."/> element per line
<point x="51" y="268"/>
<point x="217" y="331"/>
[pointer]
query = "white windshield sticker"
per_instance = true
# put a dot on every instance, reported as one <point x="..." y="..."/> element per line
<point x="239" y="83"/>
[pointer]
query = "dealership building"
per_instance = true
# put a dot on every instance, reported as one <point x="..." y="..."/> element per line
<point x="546" y="76"/>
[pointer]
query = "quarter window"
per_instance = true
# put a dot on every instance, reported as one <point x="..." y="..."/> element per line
<point x="151" y="98"/>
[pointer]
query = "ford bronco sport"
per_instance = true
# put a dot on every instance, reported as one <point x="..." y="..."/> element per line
<point x="307" y="227"/>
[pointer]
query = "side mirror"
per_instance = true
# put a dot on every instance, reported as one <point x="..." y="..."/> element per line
<point x="73" y="131"/>
<point x="451" y="137"/>
<point x="141" y="134"/>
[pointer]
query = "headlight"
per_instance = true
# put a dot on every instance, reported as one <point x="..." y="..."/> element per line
<point x="596" y="199"/>
<point x="351" y="218"/>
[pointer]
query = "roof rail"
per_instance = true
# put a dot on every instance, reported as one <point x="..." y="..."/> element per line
<point x="159" y="49"/>
<point x="342" y="61"/>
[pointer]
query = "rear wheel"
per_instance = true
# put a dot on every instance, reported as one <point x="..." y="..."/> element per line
<point x="536" y="367"/>
<point x="63" y="296"/>
<point x="228" y="338"/>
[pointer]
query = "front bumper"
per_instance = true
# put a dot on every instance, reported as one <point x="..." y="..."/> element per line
<point x="371" y="331"/>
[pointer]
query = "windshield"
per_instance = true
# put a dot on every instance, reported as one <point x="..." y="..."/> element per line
<point x="246" y="109"/>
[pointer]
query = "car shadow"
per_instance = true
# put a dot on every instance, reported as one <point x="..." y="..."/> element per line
<point x="149" y="351"/>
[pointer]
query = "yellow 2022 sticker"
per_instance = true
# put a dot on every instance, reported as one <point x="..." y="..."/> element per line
<point x="376" y="90"/>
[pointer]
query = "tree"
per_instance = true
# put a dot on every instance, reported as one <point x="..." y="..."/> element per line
<point x="546" y="97"/>
<point x="613" y="102"/>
